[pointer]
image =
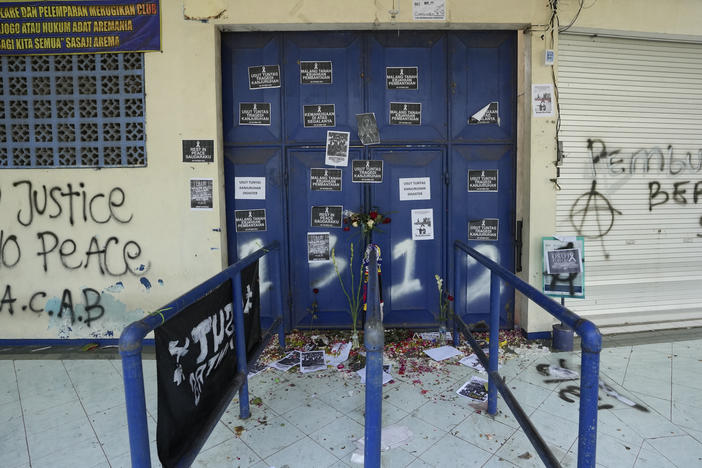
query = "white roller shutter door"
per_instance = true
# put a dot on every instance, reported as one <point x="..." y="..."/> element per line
<point x="631" y="127"/>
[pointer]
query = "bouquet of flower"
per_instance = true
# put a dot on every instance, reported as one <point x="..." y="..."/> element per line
<point x="445" y="301"/>
<point x="366" y="222"/>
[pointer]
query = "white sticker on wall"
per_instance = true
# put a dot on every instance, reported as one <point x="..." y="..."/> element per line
<point x="415" y="188"/>
<point x="542" y="100"/>
<point x="423" y="224"/>
<point x="429" y="10"/>
<point x="250" y="188"/>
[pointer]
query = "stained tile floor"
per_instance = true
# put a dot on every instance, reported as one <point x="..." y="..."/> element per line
<point x="70" y="412"/>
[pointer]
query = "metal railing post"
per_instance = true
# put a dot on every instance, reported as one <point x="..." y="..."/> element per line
<point x="133" y="376"/>
<point x="277" y="264"/>
<point x="494" y="341"/>
<point x="459" y="296"/>
<point x="374" y="340"/>
<point x="591" y="346"/>
<point x="244" y="410"/>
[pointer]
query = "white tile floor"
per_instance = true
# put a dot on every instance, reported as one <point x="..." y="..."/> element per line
<point x="71" y="413"/>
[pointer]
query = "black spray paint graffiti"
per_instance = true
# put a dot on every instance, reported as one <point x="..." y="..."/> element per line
<point x="91" y="305"/>
<point x="640" y="160"/>
<point x="106" y="255"/>
<point x="65" y="200"/>
<point x="563" y="374"/>
<point x="593" y="204"/>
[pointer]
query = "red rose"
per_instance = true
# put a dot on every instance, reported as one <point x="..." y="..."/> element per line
<point x="373" y="214"/>
<point x="386" y="221"/>
<point x="315" y="290"/>
<point x="346" y="220"/>
<point x="450" y="298"/>
<point x="346" y="228"/>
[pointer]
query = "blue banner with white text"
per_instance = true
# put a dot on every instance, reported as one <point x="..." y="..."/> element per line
<point x="78" y="27"/>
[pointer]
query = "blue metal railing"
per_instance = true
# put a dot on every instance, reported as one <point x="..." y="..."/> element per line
<point x="374" y="340"/>
<point x="131" y="342"/>
<point x="591" y="343"/>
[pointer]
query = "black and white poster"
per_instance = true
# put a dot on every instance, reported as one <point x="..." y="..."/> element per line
<point x="415" y="188"/>
<point x="542" y="100"/>
<point x="337" y="153"/>
<point x="423" y="10"/>
<point x="264" y="76"/>
<point x="327" y="216"/>
<point x="316" y="72"/>
<point x="405" y="113"/>
<point x="368" y="129"/>
<point x="490" y="114"/>
<point x="475" y="389"/>
<point x="423" y="224"/>
<point x="401" y="77"/>
<point x="311" y="361"/>
<point x="318" y="247"/>
<point x="325" y="180"/>
<point x="365" y="171"/>
<point x="201" y="194"/>
<point x="250" y="220"/>
<point x="196" y="363"/>
<point x="198" y="150"/>
<point x="250" y="188"/>
<point x="483" y="229"/>
<point x="254" y="113"/>
<point x="484" y="180"/>
<point x="319" y="115"/>
<point x="563" y="262"/>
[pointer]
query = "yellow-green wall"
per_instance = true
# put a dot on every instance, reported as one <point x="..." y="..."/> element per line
<point x="180" y="247"/>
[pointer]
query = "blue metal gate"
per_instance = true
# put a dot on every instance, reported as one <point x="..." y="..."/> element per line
<point x="462" y="135"/>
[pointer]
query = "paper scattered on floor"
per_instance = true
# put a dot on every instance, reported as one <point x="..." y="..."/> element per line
<point x="339" y="353"/>
<point x="257" y="368"/>
<point x="311" y="361"/>
<point x="475" y="389"/>
<point x="386" y="376"/>
<point x="442" y="352"/>
<point x="390" y="437"/>
<point x="291" y="360"/>
<point x="562" y="373"/>
<point x="473" y="362"/>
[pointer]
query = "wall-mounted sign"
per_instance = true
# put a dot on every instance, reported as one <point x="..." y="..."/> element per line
<point x="429" y="10"/>
<point x="415" y="188"/>
<point x="401" y="77"/>
<point x="564" y="266"/>
<point x="319" y="115"/>
<point x="325" y="180"/>
<point x="317" y="246"/>
<point x="201" y="194"/>
<point x="423" y="224"/>
<point x="264" y="76"/>
<point x="198" y="150"/>
<point x="316" y="72"/>
<point x="367" y="128"/>
<point x="327" y="216"/>
<point x="542" y="100"/>
<point x="482" y="180"/>
<point x="484" y="229"/>
<point x="250" y="188"/>
<point x="254" y="113"/>
<point x="365" y="171"/>
<point x="250" y="220"/>
<point x="490" y="114"/>
<point x="78" y="27"/>
<point x="405" y="113"/>
<point x="337" y="150"/>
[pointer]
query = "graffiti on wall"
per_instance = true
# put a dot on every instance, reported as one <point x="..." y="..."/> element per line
<point x="593" y="215"/>
<point x="70" y="207"/>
